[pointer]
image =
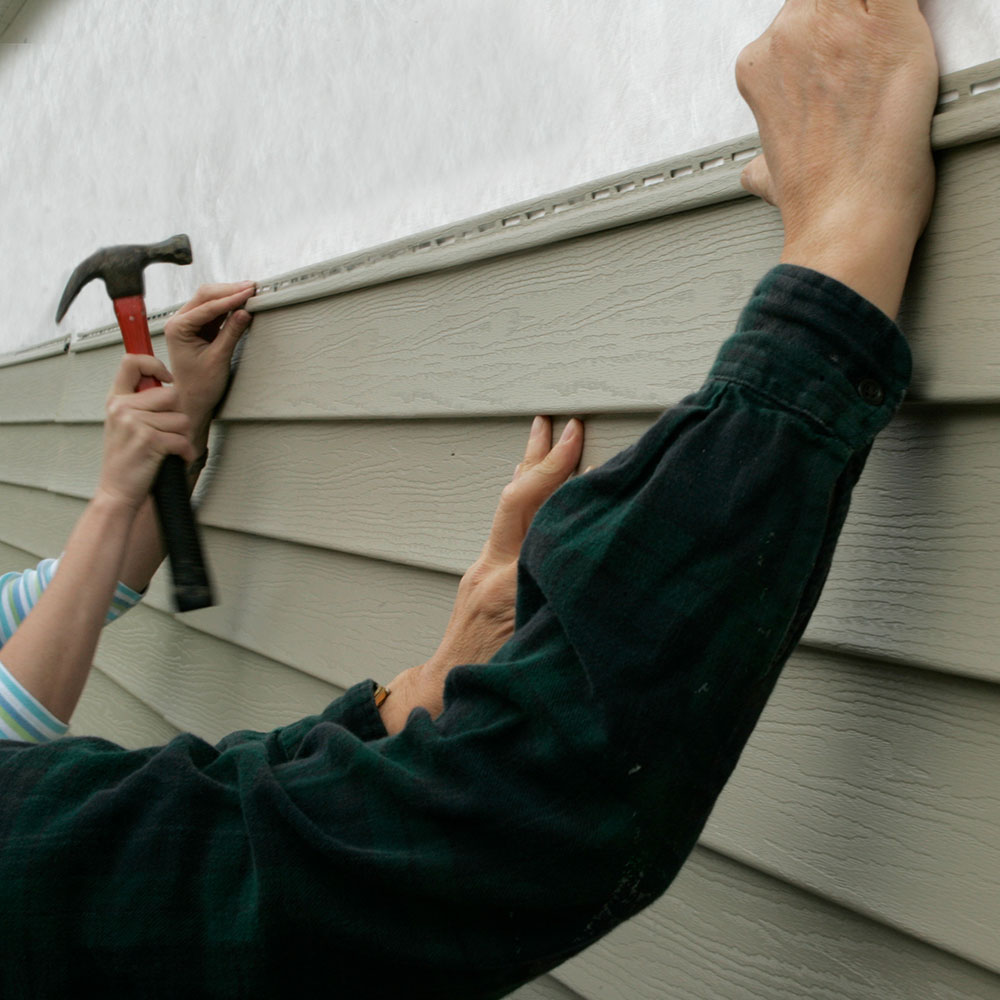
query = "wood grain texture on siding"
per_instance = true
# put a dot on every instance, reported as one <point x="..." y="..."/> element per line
<point x="916" y="577"/>
<point x="201" y="684"/>
<point x="626" y="319"/>
<point x="338" y="617"/>
<point x="35" y="521"/>
<point x="726" y="932"/>
<point x="877" y="787"/>
<point x="88" y="377"/>
<point x="50" y="456"/>
<point x="107" y="710"/>
<point x="32" y="391"/>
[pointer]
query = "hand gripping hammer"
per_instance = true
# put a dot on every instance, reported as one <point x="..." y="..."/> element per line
<point x="121" y="269"/>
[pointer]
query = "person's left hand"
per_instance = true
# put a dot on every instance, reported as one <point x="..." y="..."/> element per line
<point x="482" y="619"/>
<point x="201" y="337"/>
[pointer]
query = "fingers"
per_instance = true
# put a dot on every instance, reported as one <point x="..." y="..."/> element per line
<point x="132" y="368"/>
<point x="544" y="469"/>
<point x="219" y="290"/>
<point x="539" y="441"/>
<point x="199" y="313"/>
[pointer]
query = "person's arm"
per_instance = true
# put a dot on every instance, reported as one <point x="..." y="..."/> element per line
<point x="201" y="338"/>
<point x="49" y="655"/>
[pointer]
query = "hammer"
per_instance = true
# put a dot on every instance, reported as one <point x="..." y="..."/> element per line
<point x="121" y="268"/>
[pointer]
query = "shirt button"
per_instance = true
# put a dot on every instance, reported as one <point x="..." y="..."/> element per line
<point x="871" y="392"/>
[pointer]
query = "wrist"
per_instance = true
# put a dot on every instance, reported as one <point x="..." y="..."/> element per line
<point x="201" y="425"/>
<point x="111" y="505"/>
<point x="871" y="256"/>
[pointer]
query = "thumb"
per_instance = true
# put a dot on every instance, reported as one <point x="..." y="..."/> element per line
<point x="756" y="179"/>
<point x="234" y="328"/>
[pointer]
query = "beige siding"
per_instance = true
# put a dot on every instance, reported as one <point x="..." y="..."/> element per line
<point x="107" y="709"/>
<point x="423" y="492"/>
<point x="380" y="408"/>
<point x="726" y="932"/>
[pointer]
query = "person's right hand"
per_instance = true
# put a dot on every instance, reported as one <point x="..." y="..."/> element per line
<point x="201" y="337"/>
<point x="844" y="92"/>
<point x="140" y="429"/>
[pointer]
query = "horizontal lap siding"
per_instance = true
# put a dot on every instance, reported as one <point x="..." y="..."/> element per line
<point x="627" y="319"/>
<point x="337" y="525"/>
<point x="106" y="709"/>
<point x="336" y="617"/>
<point x="879" y="787"/>
<point x="32" y="391"/>
<point x="916" y="577"/>
<point x="727" y="932"/>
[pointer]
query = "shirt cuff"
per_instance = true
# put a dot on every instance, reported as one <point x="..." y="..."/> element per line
<point x="22" y="716"/>
<point x="842" y="361"/>
<point x="123" y="598"/>
<point x="355" y="710"/>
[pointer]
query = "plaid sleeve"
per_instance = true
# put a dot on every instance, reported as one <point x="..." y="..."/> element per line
<point x="19" y="593"/>
<point x="566" y="781"/>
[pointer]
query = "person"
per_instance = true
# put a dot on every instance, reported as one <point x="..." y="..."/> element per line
<point x="565" y="781"/>
<point x="115" y="547"/>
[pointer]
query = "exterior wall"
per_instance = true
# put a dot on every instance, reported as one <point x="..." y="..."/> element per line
<point x="382" y="402"/>
<point x="282" y="132"/>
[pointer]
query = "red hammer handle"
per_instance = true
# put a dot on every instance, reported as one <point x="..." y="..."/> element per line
<point x="131" y="313"/>
<point x="192" y="589"/>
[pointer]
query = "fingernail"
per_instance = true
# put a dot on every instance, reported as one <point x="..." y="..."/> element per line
<point x="569" y="431"/>
<point x="247" y="284"/>
<point x="536" y="425"/>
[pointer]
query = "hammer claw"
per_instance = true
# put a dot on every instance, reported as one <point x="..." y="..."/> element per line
<point x="121" y="268"/>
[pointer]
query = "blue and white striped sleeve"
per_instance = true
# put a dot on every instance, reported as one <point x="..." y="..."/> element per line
<point x="19" y="593"/>
<point x="22" y="717"/>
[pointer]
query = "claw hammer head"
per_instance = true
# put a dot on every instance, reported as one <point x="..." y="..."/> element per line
<point x="121" y="268"/>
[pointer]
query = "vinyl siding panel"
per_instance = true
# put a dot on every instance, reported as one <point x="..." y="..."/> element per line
<point x="727" y="932"/>
<point x="381" y="404"/>
<point x="916" y="578"/>
<point x="106" y="709"/>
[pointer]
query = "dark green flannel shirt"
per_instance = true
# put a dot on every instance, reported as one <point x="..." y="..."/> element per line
<point x="566" y="781"/>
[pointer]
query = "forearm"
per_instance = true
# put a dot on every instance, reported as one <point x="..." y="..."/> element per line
<point x="51" y="651"/>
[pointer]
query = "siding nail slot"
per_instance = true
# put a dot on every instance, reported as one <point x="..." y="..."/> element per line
<point x="985" y="85"/>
